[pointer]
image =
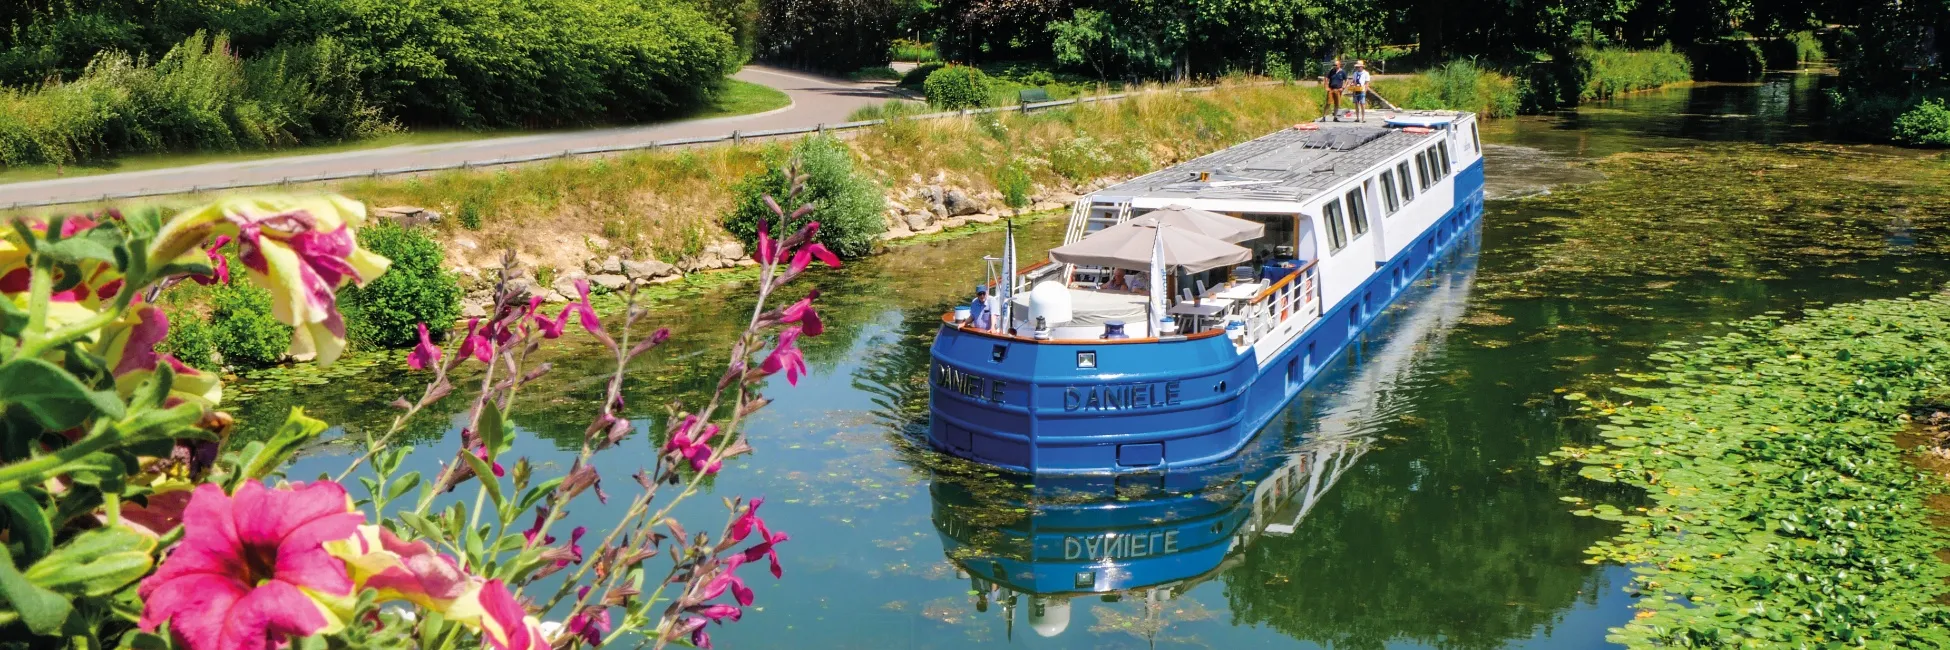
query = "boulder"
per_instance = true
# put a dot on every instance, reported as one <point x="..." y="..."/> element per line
<point x="1064" y="198"/>
<point x="407" y="216"/>
<point x="609" y="281"/>
<point x="938" y="210"/>
<point x="522" y="288"/>
<point x="952" y="223"/>
<point x="984" y="217"/>
<point x="1045" y="206"/>
<point x="666" y="279"/>
<point x="647" y="269"/>
<point x="918" y="221"/>
<point x="959" y="205"/>
<point x="730" y="250"/>
<point x="473" y="308"/>
<point x="611" y="265"/>
<point x="565" y="284"/>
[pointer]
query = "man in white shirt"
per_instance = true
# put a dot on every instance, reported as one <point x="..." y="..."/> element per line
<point x="1357" y="85"/>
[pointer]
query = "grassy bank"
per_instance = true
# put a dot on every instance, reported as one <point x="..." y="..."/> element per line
<point x="1590" y="74"/>
<point x="1612" y="71"/>
<point x="669" y="202"/>
<point x="1780" y="509"/>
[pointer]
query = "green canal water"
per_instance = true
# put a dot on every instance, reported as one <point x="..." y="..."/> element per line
<point x="1397" y="503"/>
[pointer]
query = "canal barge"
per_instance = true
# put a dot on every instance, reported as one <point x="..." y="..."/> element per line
<point x="1265" y="260"/>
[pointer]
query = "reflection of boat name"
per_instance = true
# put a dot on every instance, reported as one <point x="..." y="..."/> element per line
<point x="1115" y="546"/>
<point x="1112" y="397"/>
<point x="967" y="383"/>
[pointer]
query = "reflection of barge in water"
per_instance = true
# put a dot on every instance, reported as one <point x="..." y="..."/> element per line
<point x="1139" y="537"/>
<point x="1341" y="219"/>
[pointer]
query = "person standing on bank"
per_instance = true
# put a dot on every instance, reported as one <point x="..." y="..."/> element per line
<point x="1336" y="80"/>
<point x="1358" y="86"/>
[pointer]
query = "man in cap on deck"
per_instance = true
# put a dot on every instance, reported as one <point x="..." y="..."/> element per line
<point x="978" y="311"/>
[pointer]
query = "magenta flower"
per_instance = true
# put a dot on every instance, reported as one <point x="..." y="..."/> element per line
<point x="802" y="312"/>
<point x="131" y="349"/>
<point x="768" y="540"/>
<point x="400" y="570"/>
<point x="541" y="516"/>
<point x="805" y="255"/>
<point x="251" y="567"/>
<point x="424" y="355"/>
<point x="697" y="451"/>
<point x="473" y="344"/>
<point x="505" y="624"/>
<point x="588" y="311"/>
<point x="786" y="356"/>
<point x="591" y="623"/>
<point x="219" y="265"/>
<point x="575" y="547"/>
<point x="767" y="251"/>
<point x="481" y="452"/>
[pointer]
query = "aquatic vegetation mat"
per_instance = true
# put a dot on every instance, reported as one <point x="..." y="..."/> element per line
<point x="1781" y="508"/>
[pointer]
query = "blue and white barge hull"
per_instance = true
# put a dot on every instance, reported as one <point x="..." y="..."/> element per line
<point x="1351" y="215"/>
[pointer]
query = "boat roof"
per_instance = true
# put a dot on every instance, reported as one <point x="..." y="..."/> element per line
<point x="1293" y="164"/>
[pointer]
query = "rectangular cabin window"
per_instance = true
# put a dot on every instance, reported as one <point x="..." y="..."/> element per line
<point x="1336" y="230"/>
<point x="1475" y="136"/>
<point x="1443" y="151"/>
<point x="1436" y="170"/>
<point x="1390" y="201"/>
<point x="1422" y="170"/>
<point x="1408" y="187"/>
<point x="1357" y="211"/>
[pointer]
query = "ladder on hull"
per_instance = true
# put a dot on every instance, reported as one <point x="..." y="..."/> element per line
<point x="1087" y="216"/>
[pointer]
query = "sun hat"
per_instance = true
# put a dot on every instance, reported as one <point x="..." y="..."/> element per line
<point x="1360" y="64"/>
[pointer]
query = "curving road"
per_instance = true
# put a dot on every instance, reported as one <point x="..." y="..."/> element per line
<point x="815" y="100"/>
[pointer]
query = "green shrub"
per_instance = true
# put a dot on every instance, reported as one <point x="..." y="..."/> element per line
<point x="1726" y="60"/>
<point x="386" y="311"/>
<point x="247" y="335"/>
<point x="1926" y="125"/>
<point x="1015" y="184"/>
<point x="1615" y="70"/>
<point x="191" y="340"/>
<point x="1789" y="52"/>
<point x="469" y="215"/>
<point x="847" y="203"/>
<point x="958" y="86"/>
<point x="874" y="73"/>
<point x="917" y="79"/>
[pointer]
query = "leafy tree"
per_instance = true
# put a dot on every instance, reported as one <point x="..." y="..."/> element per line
<point x="834" y="35"/>
<point x="387" y="311"/>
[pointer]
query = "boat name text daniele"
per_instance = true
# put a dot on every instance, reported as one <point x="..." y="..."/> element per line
<point x="1095" y="397"/>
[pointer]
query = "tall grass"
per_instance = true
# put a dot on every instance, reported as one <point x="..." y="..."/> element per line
<point x="197" y="96"/>
<point x="1460" y="85"/>
<point x="910" y="50"/>
<point x="1615" y="70"/>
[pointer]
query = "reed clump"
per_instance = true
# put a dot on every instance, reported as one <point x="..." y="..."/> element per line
<point x="1614" y="70"/>
<point x="1462" y="84"/>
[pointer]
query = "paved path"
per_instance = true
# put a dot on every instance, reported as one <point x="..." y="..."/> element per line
<point x="816" y="100"/>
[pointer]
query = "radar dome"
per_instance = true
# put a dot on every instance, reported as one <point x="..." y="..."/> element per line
<point x="1049" y="616"/>
<point x="1051" y="301"/>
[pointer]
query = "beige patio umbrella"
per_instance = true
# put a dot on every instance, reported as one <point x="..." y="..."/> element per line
<point x="1129" y="246"/>
<point x="1210" y="224"/>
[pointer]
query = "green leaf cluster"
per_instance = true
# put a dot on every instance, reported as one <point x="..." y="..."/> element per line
<point x="1782" y="511"/>
<point x="957" y="87"/>
<point x="246" y="333"/>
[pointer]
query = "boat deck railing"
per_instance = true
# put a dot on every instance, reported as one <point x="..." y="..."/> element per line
<point x="1296" y="296"/>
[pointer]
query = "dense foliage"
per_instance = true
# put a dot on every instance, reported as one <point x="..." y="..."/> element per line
<point x="1782" y="511"/>
<point x="834" y="35"/>
<point x="1926" y="125"/>
<point x="849" y="202"/>
<point x="1610" y="71"/>
<point x="300" y="71"/>
<point x="198" y="95"/>
<point x="957" y="87"/>
<point x="417" y="290"/>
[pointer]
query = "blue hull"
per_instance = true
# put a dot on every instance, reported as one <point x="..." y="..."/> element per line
<point x="1027" y="407"/>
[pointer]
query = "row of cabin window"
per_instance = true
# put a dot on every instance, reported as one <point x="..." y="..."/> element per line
<point x="1431" y="166"/>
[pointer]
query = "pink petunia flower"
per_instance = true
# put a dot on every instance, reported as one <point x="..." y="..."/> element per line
<point x="131" y="352"/>
<point x="505" y="624"/>
<point x="786" y="356"/>
<point x="219" y="265"/>
<point x="424" y="355"/>
<point x="251" y="567"/>
<point x="400" y="570"/>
